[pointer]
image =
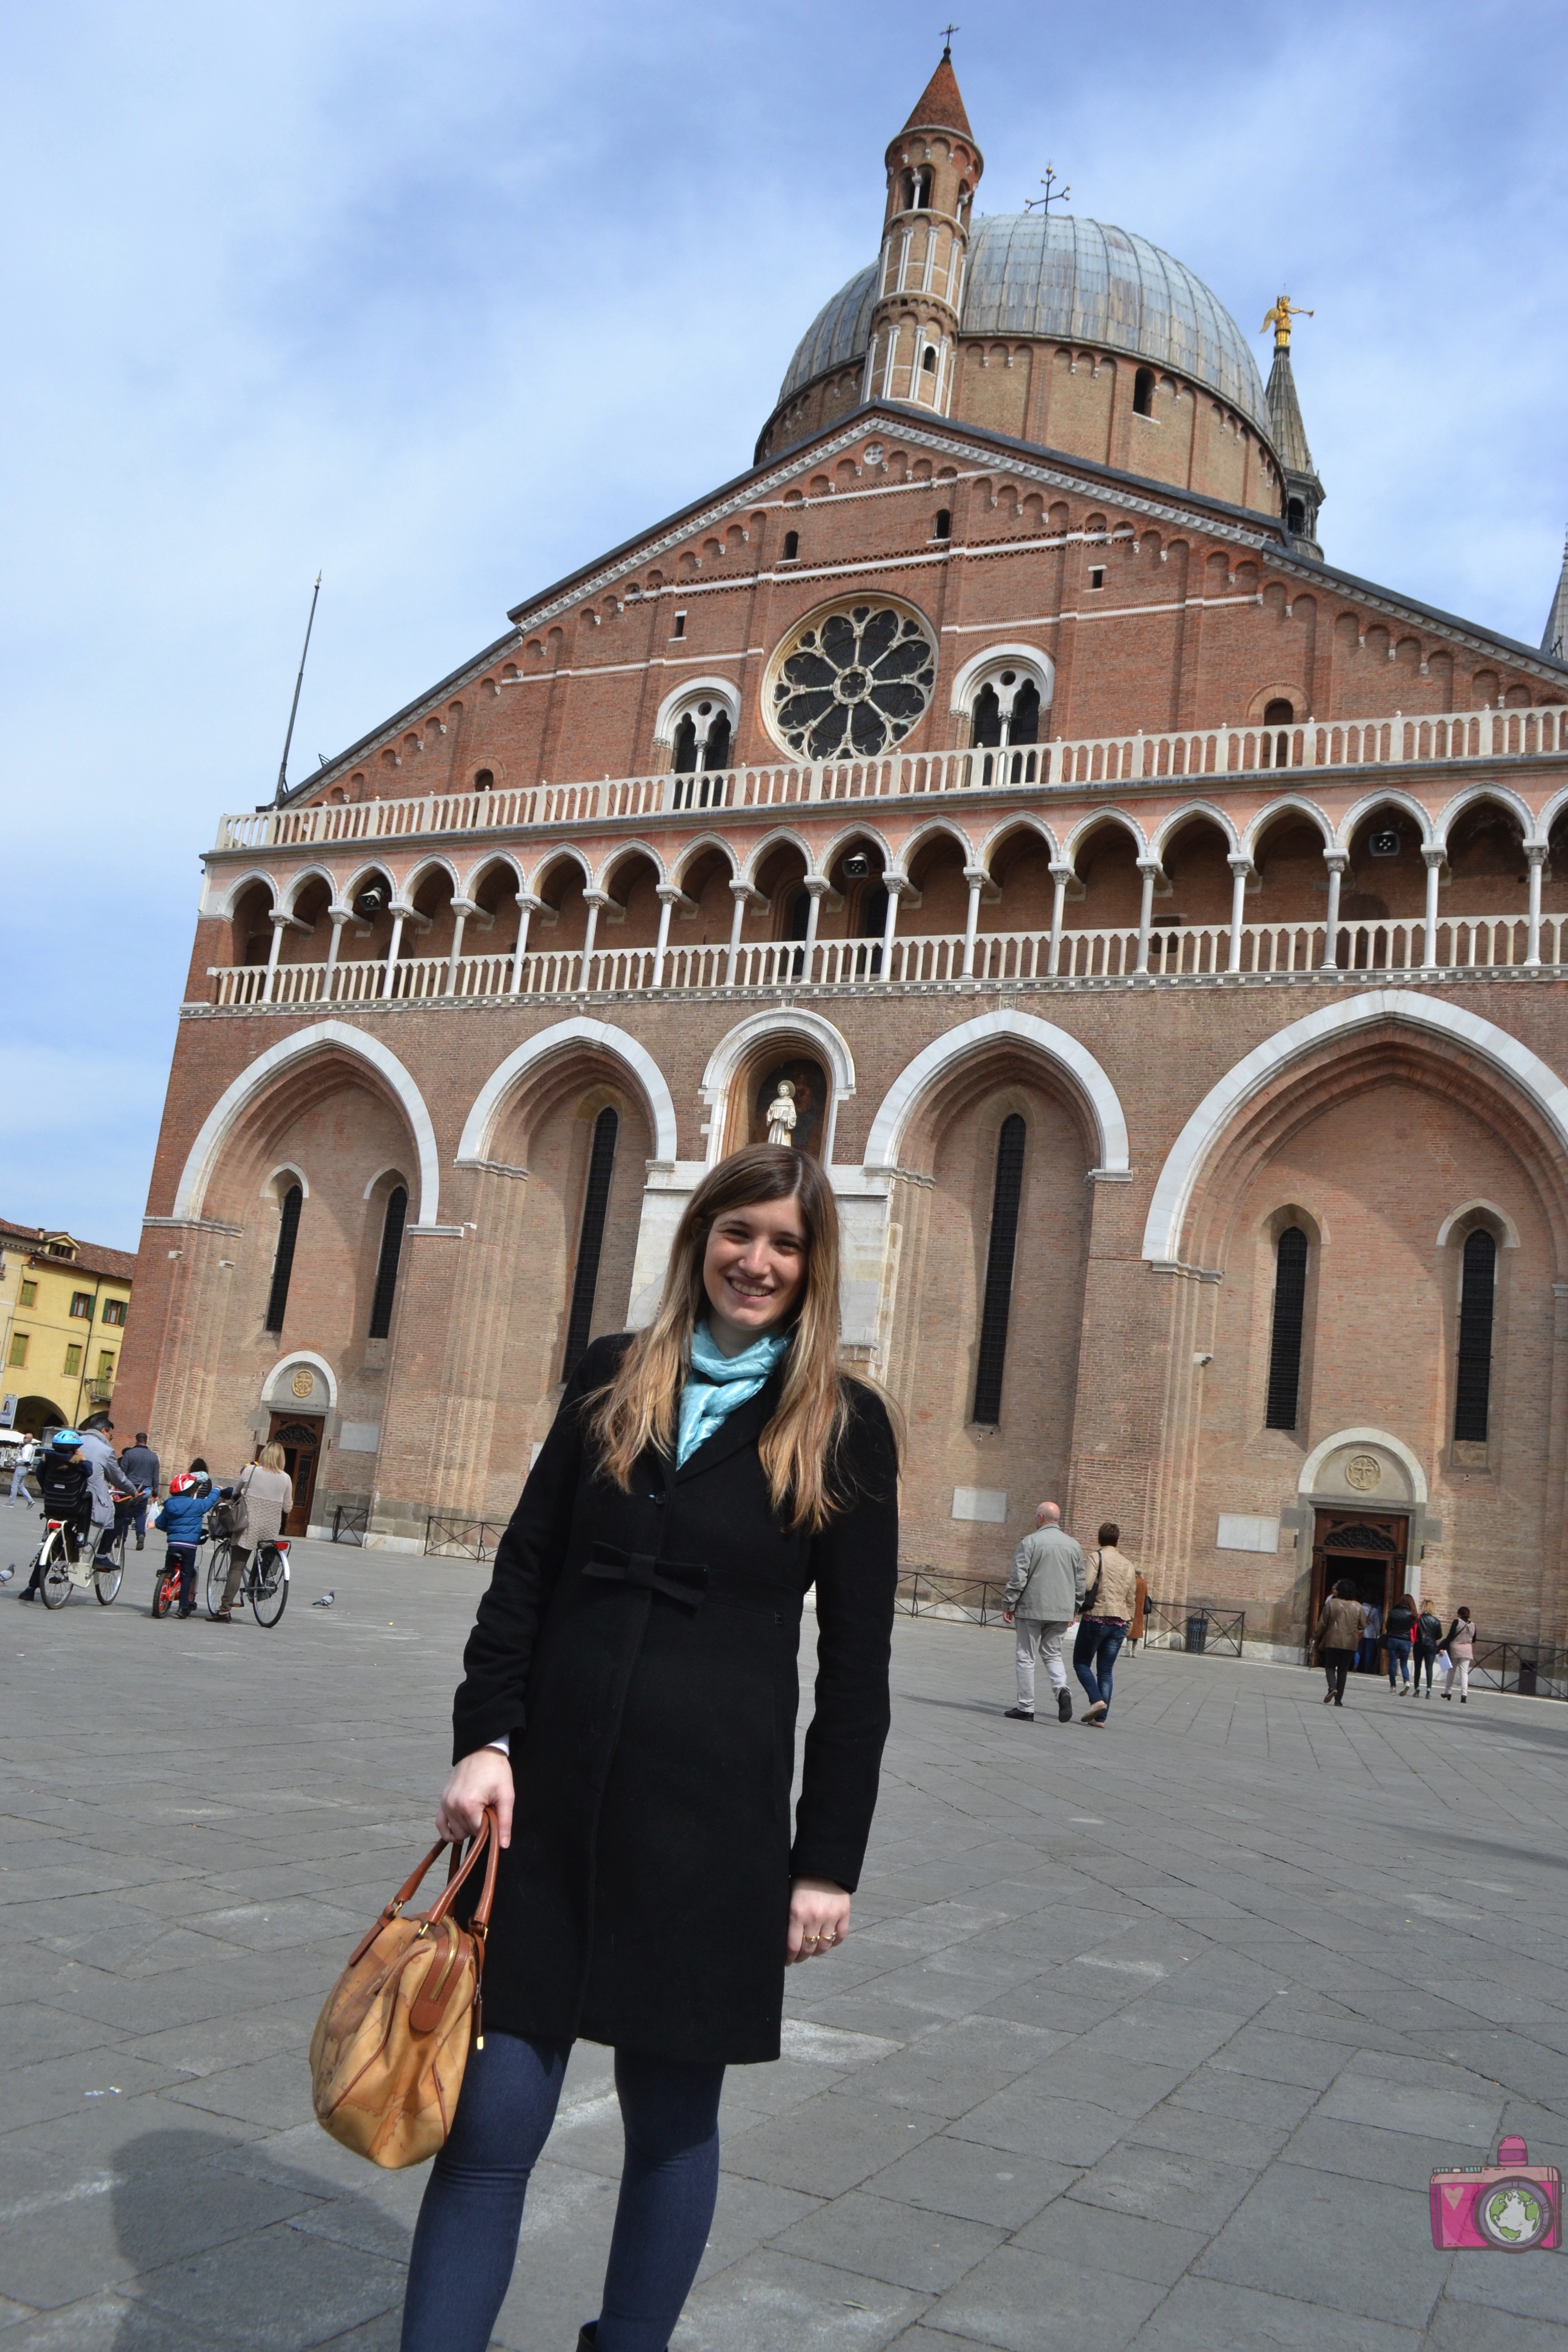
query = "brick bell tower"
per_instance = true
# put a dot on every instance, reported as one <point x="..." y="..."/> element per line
<point x="933" y="170"/>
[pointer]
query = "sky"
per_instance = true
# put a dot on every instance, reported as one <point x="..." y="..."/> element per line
<point x="442" y="297"/>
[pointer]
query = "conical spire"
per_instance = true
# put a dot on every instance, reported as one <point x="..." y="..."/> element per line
<point x="940" y="105"/>
<point x="1303" y="490"/>
<point x="1555" y="642"/>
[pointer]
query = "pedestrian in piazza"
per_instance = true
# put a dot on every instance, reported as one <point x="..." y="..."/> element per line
<point x="268" y="1495"/>
<point x="142" y="1466"/>
<point x="1044" y="1595"/>
<point x="1337" y="1632"/>
<point x="1459" y="1641"/>
<point x="1103" y="1621"/>
<point x="1426" y="1643"/>
<point x="26" y="1456"/>
<point x="1398" y="1635"/>
<point x="629" y="1709"/>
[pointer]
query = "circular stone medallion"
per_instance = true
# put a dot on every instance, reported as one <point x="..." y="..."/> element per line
<point x="1364" y="1471"/>
<point x="304" y="1381"/>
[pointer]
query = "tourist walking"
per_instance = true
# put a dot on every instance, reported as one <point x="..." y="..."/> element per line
<point x="267" y="1492"/>
<point x="1459" y="1641"/>
<point x="1371" y="1639"/>
<point x="1138" y="1618"/>
<point x="1339" y="1629"/>
<point x="1044" y="1594"/>
<point x="1427" y="1642"/>
<point x="141" y="1466"/>
<point x="26" y="1455"/>
<point x="1102" y="1623"/>
<point x="632" y="1677"/>
<point x="1397" y="1637"/>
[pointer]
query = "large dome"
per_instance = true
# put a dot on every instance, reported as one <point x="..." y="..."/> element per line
<point x="1054" y="275"/>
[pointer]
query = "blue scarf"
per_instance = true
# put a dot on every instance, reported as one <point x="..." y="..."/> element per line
<point x="717" y="1384"/>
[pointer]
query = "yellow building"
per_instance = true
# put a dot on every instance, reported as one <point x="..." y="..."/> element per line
<point x="63" y="1309"/>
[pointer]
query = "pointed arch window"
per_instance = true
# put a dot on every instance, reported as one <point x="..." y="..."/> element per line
<point x="1143" y="393"/>
<point x="1290" y="1319"/>
<point x="996" y="1303"/>
<point x="386" y="1266"/>
<point x="590" y="1238"/>
<point x="283" y="1257"/>
<point x="1477" y="1301"/>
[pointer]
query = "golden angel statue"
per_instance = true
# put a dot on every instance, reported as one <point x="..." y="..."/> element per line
<point x="1278" y="316"/>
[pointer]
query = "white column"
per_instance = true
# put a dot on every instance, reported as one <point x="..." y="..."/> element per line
<point x="279" y="925"/>
<point x="1062" y="875"/>
<point x="593" y="900"/>
<point x="1536" y="853"/>
<point x="976" y="877"/>
<point x="817" y="886"/>
<point x="1336" y="861"/>
<point x="527" y="904"/>
<point x="1240" y="867"/>
<point x="1149" y="869"/>
<point x="669" y="896"/>
<point x="895" y="885"/>
<point x="461" y="909"/>
<point x="740" y="892"/>
<point x="1434" y="858"/>
<point x="399" y="911"/>
<point x="339" y="917"/>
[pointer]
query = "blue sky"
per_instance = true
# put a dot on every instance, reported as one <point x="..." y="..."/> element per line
<point x="443" y="297"/>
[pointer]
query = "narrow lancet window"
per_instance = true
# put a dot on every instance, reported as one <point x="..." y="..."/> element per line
<point x="1477" y="1297"/>
<point x="999" y="1298"/>
<point x="386" y="1268"/>
<point x="1289" y="1313"/>
<point x="590" y="1239"/>
<point x="283" y="1261"/>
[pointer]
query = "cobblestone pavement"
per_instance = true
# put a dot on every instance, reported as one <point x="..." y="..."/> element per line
<point x="1151" y="2037"/>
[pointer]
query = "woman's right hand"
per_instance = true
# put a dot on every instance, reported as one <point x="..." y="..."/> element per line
<point x="480" y="1780"/>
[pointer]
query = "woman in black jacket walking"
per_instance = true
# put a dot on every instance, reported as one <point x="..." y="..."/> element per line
<point x="628" y="1708"/>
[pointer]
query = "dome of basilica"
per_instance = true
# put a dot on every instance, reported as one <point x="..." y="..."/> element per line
<point x="1057" y="276"/>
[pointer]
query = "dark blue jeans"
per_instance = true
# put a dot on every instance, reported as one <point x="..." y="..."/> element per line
<point x="1094" y="1653"/>
<point x="465" y="2239"/>
<point x="1424" y="1657"/>
<point x="1398" y="1655"/>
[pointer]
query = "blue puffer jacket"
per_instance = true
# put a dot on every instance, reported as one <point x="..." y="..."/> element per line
<point x="181" y="1517"/>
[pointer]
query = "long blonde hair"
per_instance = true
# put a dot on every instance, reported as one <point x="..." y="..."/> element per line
<point x="800" y="1443"/>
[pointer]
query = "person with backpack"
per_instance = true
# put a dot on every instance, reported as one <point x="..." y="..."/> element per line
<point x="1397" y="1634"/>
<point x="1459" y="1641"/>
<point x="1425" y="1643"/>
<point x="65" y="1483"/>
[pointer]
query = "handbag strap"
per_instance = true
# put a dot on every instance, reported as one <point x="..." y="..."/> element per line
<point x="486" y="1841"/>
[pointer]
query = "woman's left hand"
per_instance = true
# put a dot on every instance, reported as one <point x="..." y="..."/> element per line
<point x="818" y="1920"/>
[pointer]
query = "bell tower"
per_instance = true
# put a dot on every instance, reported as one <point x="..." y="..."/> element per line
<point x="933" y="169"/>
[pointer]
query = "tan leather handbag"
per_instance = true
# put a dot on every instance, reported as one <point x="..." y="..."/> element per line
<point x="389" y="2048"/>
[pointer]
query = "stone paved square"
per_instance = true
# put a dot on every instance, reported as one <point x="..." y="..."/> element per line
<point x="1148" y="2039"/>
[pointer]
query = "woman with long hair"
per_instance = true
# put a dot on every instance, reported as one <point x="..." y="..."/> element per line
<point x="628" y="1708"/>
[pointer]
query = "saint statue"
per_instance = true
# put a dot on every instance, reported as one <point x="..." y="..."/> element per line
<point x="782" y="1113"/>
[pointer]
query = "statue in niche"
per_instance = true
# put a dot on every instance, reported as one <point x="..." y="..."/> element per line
<point x="781" y="1114"/>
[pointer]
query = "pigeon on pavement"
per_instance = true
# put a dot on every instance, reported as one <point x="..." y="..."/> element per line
<point x="8" y="1573"/>
<point x="325" y="1602"/>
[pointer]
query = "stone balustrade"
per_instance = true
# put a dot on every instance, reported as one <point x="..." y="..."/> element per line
<point x="1187" y="950"/>
<point x="1138" y="758"/>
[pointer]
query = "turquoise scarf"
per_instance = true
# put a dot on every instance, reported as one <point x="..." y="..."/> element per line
<point x="717" y="1384"/>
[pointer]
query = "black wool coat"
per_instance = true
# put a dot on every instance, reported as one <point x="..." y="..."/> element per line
<point x="639" y="1649"/>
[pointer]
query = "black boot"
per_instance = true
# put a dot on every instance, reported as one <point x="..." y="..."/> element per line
<point x="587" y="2337"/>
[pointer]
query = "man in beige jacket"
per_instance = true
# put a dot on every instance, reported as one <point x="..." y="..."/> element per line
<point x="1045" y="1593"/>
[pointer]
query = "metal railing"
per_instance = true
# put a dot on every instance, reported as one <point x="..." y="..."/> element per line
<point x="970" y="1598"/>
<point x="351" y="1523"/>
<point x="1136" y="758"/>
<point x="1531" y="1669"/>
<point x="453" y="1536"/>
<point x="1188" y="951"/>
<point x="1194" y="1626"/>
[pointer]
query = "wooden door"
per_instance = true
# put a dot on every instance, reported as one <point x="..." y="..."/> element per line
<point x="301" y="1444"/>
<point x="1366" y="1546"/>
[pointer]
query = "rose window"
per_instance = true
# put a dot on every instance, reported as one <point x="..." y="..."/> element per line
<point x="853" y="683"/>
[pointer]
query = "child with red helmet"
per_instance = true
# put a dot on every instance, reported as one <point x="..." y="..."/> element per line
<point x="188" y="1501"/>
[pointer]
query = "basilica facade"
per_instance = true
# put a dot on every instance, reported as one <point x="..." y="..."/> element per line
<point x="1165" y="934"/>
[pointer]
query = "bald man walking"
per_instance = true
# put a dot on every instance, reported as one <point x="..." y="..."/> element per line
<point x="1045" y="1593"/>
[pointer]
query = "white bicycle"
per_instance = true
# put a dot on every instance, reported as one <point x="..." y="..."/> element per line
<point x="67" y="1563"/>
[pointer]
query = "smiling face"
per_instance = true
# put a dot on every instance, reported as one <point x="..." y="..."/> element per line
<point x="753" y="1271"/>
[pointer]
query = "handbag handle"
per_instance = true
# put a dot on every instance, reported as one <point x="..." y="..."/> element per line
<point x="486" y="1839"/>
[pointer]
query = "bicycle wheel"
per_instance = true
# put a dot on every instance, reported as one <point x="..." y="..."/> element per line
<point x="54" y="1583"/>
<point x="165" y="1590"/>
<point x="270" y="1590"/>
<point x="106" y="1579"/>
<point x="218" y="1577"/>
